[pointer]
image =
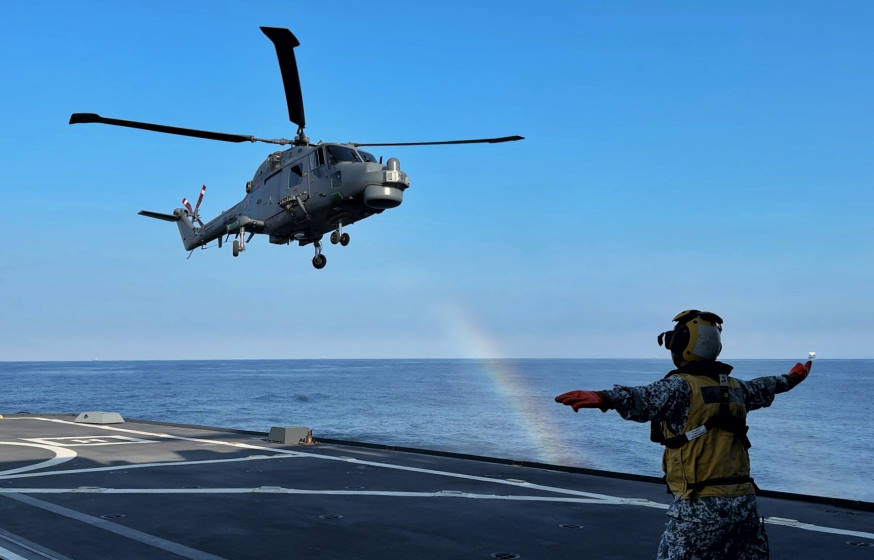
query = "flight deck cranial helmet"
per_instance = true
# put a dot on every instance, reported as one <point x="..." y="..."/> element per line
<point x="695" y="337"/>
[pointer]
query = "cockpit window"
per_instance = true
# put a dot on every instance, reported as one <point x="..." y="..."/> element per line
<point x="367" y="156"/>
<point x="341" y="153"/>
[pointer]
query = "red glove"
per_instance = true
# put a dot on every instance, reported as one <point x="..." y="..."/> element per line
<point x="583" y="399"/>
<point x="798" y="373"/>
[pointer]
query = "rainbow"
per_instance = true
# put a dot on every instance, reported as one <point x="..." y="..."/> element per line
<point x="531" y="415"/>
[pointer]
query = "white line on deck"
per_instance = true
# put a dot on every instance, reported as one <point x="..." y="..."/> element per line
<point x="82" y="441"/>
<point x="62" y="454"/>
<point x="818" y="528"/>
<point x="36" y="550"/>
<point x="393" y="494"/>
<point x="145" y="538"/>
<point x="280" y="490"/>
<point x="9" y="555"/>
<point x="146" y="465"/>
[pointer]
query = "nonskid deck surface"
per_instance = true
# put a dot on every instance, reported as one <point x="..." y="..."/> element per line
<point x="151" y="490"/>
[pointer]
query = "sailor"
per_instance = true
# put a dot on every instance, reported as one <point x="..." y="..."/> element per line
<point x="698" y="413"/>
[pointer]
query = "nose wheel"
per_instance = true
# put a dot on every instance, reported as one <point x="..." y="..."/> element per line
<point x="337" y="236"/>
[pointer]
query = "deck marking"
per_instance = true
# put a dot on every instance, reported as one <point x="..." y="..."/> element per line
<point x="62" y="455"/>
<point x="7" y="554"/>
<point x="13" y="492"/>
<point x="297" y="491"/>
<point x="145" y="538"/>
<point x="350" y="460"/>
<point x="159" y="435"/>
<point x="78" y="441"/>
<point x="145" y="465"/>
<point x="596" y="498"/>
<point x="811" y="527"/>
<point x="30" y="546"/>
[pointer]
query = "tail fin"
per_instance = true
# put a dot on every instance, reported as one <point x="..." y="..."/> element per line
<point x="186" y="229"/>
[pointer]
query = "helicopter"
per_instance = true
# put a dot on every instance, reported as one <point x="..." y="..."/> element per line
<point x="297" y="194"/>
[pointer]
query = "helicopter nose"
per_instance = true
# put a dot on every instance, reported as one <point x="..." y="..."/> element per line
<point x="382" y="197"/>
<point x="390" y="192"/>
<point x="385" y="185"/>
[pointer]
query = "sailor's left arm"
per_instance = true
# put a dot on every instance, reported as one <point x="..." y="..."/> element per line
<point x="760" y="392"/>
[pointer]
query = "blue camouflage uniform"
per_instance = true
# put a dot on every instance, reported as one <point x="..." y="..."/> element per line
<point x="713" y="527"/>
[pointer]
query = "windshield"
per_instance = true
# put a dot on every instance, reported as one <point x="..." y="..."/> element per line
<point x="367" y="156"/>
<point x="341" y="153"/>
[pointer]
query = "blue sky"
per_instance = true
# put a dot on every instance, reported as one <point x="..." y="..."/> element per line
<point x="677" y="155"/>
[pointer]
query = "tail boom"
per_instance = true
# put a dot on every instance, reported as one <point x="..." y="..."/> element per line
<point x="190" y="238"/>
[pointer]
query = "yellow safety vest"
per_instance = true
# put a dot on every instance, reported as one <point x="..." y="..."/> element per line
<point x="714" y="461"/>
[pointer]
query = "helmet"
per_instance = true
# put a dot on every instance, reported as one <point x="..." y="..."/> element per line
<point x="695" y="337"/>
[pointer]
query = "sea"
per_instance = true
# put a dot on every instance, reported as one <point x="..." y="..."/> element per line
<point x="816" y="439"/>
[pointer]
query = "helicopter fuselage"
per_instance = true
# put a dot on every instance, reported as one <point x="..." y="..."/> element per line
<point x="301" y="193"/>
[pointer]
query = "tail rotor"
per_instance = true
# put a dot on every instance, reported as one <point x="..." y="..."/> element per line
<point x="195" y="212"/>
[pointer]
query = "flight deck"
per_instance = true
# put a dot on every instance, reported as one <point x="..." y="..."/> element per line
<point x="140" y="489"/>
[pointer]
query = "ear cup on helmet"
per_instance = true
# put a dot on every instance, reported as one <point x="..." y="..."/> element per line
<point x="680" y="338"/>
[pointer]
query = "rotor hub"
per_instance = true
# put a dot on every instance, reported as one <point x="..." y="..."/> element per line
<point x="301" y="139"/>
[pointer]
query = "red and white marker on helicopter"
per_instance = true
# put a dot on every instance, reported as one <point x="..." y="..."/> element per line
<point x="194" y="212"/>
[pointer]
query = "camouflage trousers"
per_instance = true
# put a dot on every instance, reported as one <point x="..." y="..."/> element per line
<point x="714" y="529"/>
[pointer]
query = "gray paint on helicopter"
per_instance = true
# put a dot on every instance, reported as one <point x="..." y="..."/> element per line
<point x="298" y="194"/>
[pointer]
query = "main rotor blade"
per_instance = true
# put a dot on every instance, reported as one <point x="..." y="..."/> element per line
<point x="477" y="141"/>
<point x="77" y="118"/>
<point x="285" y="42"/>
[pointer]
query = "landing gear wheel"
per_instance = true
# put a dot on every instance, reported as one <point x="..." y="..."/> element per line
<point x="344" y="239"/>
<point x="319" y="261"/>
<point x="236" y="249"/>
<point x="335" y="238"/>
